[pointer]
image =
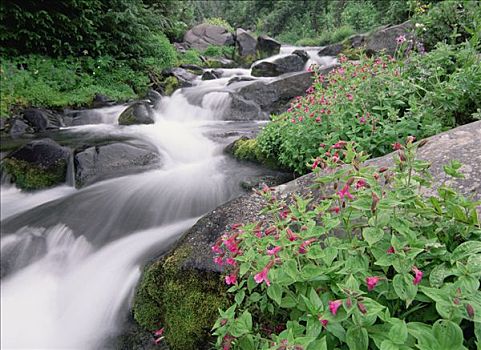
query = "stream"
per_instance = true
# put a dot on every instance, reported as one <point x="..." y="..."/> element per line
<point x="71" y="258"/>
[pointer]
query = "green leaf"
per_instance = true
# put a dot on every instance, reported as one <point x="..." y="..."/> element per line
<point x="330" y="253"/>
<point x="372" y="235"/>
<point x="398" y="332"/>
<point x="389" y="345"/>
<point x="439" y="273"/>
<point x="357" y="338"/>
<point x="274" y="291"/>
<point x="465" y="249"/>
<point x="320" y="344"/>
<point x="404" y="287"/>
<point x="239" y="297"/>
<point x="448" y="335"/>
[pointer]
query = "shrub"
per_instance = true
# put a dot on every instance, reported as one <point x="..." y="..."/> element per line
<point x="191" y="56"/>
<point x="219" y="51"/>
<point x="452" y="22"/>
<point x="217" y="21"/>
<point x="375" y="265"/>
<point x="361" y="16"/>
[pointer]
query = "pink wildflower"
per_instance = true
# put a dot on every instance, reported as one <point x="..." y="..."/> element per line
<point x="316" y="163"/>
<point x="262" y="276"/>
<point x="318" y="119"/>
<point x="291" y="236"/>
<point x="342" y="59"/>
<point x="362" y="307"/>
<point x="418" y="275"/>
<point x="339" y="144"/>
<point x="216" y="249"/>
<point x="230" y="261"/>
<point x="345" y="193"/>
<point x="274" y="250"/>
<point x="362" y="120"/>
<point x="305" y="244"/>
<point x="360" y="184"/>
<point x="391" y="250"/>
<point x="349" y="97"/>
<point x="400" y="39"/>
<point x="231" y="279"/>
<point x="323" y="322"/>
<point x="397" y="146"/>
<point x="218" y="260"/>
<point x="335" y="210"/>
<point x="334" y="305"/>
<point x="371" y="282"/>
<point x="159" y="332"/>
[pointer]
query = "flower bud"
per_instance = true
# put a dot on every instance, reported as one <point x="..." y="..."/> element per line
<point x="470" y="310"/>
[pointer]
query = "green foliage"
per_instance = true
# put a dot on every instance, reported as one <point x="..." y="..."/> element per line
<point x="361" y="16"/>
<point x="217" y="21"/>
<point x="247" y="149"/>
<point x="219" y="51"/>
<point x="191" y="56"/>
<point x="452" y="22"/>
<point x="367" y="267"/>
<point x="41" y="81"/>
<point x="124" y="29"/>
<point x="375" y="103"/>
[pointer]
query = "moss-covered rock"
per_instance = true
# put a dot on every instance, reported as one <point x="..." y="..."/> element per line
<point x="184" y="301"/>
<point x="38" y="164"/>
<point x="137" y="113"/>
<point x="170" y="84"/>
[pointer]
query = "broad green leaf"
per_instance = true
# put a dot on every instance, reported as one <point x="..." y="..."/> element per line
<point x="465" y="249"/>
<point x="320" y="344"/>
<point x="239" y="297"/>
<point x="372" y="235"/>
<point x="357" y="338"/>
<point x="330" y="253"/>
<point x="274" y="291"/>
<point x="404" y="287"/>
<point x="448" y="335"/>
<point x="398" y="332"/>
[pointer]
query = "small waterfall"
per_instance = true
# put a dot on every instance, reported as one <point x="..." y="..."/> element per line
<point x="70" y="175"/>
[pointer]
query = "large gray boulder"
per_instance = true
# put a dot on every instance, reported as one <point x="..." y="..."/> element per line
<point x="204" y="35"/>
<point x="137" y="113"/>
<point x="384" y="39"/>
<point x="267" y="46"/>
<point x="38" y="164"/>
<point x="246" y="46"/>
<point x="42" y="119"/>
<point x="192" y="255"/>
<point x="286" y="64"/>
<point x="18" y="128"/>
<point x="241" y="109"/>
<point x="98" y="163"/>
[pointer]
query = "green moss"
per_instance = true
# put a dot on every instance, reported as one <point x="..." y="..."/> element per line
<point x="246" y="61"/>
<point x="31" y="177"/>
<point x="248" y="150"/>
<point x="170" y="84"/>
<point x="351" y="52"/>
<point x="185" y="302"/>
<point x="127" y="117"/>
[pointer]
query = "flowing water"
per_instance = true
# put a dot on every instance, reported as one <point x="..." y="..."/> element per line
<point x="71" y="258"/>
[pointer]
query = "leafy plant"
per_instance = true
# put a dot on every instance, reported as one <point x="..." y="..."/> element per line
<point x="221" y="22"/>
<point x="372" y="264"/>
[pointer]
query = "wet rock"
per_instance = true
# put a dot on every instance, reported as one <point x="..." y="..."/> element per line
<point x="219" y="62"/>
<point x="193" y="68"/>
<point x="238" y="79"/>
<point x="38" y="164"/>
<point x="102" y="162"/>
<point x="302" y="54"/>
<point x="19" y="127"/>
<point x="241" y="109"/>
<point x="279" y="66"/>
<point x="154" y="98"/>
<point x="204" y="35"/>
<point x="331" y="50"/>
<point x="137" y="113"/>
<point x="210" y="75"/>
<point x="183" y="76"/>
<point x="42" y="119"/>
<point x="181" y="47"/>
<point x="267" y="46"/>
<point x="102" y="101"/>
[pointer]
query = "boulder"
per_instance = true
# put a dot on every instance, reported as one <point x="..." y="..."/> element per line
<point x="181" y="47"/>
<point x="204" y="35"/>
<point x="176" y="78"/>
<point x="100" y="101"/>
<point x="245" y="47"/>
<point x="154" y="98"/>
<point x="38" y="164"/>
<point x="42" y="119"/>
<point x="237" y="79"/>
<point x="192" y="68"/>
<point x="331" y="50"/>
<point x="137" y="113"/>
<point x="102" y="162"/>
<point x="192" y="256"/>
<point x="267" y="47"/>
<point x="281" y="65"/>
<point x="210" y="75"/>
<point x="241" y="109"/>
<point x="302" y="54"/>
<point x="18" y="128"/>
<point x="384" y="39"/>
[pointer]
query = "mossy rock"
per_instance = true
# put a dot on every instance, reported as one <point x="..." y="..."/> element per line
<point x="32" y="177"/>
<point x="184" y="301"/>
<point x="170" y="84"/>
